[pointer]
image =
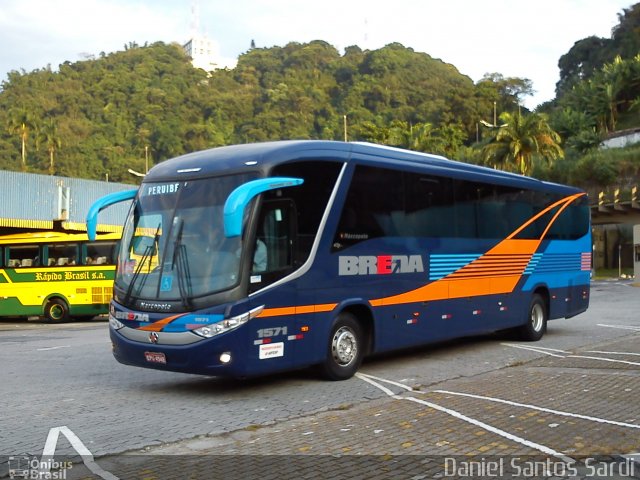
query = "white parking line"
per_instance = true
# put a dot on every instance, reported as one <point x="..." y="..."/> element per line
<point x="390" y="382"/>
<point x="87" y="457"/>
<point x="502" y="433"/>
<point x="541" y="409"/>
<point x="460" y="416"/>
<point x="547" y="348"/>
<point x="613" y="353"/>
<point x="366" y="378"/>
<point x="44" y="349"/>
<point x="621" y="327"/>
<point x="545" y="351"/>
<point x="613" y="360"/>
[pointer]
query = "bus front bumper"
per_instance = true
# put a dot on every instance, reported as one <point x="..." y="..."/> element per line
<point x="203" y="356"/>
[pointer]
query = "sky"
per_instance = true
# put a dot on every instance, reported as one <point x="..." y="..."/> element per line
<point x="516" y="38"/>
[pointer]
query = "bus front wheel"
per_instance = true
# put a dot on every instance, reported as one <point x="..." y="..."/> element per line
<point x="345" y="350"/>
<point x="536" y="325"/>
<point x="56" y="310"/>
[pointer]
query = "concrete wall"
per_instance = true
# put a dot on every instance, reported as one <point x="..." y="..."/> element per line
<point x="621" y="140"/>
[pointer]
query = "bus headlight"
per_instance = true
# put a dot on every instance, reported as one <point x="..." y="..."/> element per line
<point x="115" y="323"/>
<point x="228" y="324"/>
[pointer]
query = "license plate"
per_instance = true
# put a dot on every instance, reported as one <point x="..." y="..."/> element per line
<point x="155" y="357"/>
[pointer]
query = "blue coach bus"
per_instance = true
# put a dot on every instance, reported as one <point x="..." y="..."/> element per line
<point x="249" y="259"/>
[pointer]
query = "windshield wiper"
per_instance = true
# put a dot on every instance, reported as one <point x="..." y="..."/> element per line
<point x="181" y="263"/>
<point x="148" y="251"/>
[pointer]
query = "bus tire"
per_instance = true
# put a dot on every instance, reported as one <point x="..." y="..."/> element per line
<point x="56" y="310"/>
<point x="345" y="349"/>
<point x="536" y="325"/>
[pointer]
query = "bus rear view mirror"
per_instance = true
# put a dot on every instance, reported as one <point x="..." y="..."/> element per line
<point x="242" y="195"/>
<point x="102" y="203"/>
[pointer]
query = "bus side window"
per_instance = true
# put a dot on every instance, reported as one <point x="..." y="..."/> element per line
<point x="374" y="199"/>
<point x="99" y="253"/>
<point x="23" y="256"/>
<point x="272" y="253"/>
<point x="61" y="254"/>
<point x="310" y="199"/>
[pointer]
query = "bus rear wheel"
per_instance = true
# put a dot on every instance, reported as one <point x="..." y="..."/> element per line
<point x="345" y="349"/>
<point x="56" y="310"/>
<point x="536" y="325"/>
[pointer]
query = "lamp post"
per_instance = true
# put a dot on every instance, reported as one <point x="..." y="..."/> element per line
<point x="344" y="118"/>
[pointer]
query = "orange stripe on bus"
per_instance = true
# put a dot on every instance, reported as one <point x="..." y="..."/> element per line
<point x="300" y="309"/>
<point x="469" y="281"/>
<point x="498" y="271"/>
<point x="160" y="324"/>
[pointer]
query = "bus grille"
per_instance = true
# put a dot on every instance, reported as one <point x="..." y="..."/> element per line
<point x="101" y="294"/>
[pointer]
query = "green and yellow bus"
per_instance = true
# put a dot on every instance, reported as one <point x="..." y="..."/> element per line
<point x="56" y="275"/>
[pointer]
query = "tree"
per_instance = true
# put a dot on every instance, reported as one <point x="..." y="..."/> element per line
<point x="625" y="38"/>
<point x="508" y="92"/>
<point x="604" y="99"/>
<point x="581" y="62"/>
<point x="21" y="122"/>
<point x="109" y="108"/>
<point x="519" y="140"/>
<point x="48" y="134"/>
<point x="587" y="56"/>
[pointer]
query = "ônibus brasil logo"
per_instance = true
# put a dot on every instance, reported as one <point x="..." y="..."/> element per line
<point x="379" y="265"/>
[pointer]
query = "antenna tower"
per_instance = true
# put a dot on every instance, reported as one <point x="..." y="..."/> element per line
<point x="195" y="18"/>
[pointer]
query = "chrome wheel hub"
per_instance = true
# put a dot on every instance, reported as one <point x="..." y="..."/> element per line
<point x="344" y="346"/>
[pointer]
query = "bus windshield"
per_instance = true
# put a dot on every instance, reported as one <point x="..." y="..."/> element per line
<point x="173" y="244"/>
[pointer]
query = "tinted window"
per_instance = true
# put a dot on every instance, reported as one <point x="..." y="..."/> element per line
<point x="429" y="208"/>
<point x="382" y="202"/>
<point x="572" y="223"/>
<point x="374" y="206"/>
<point x="23" y="256"/>
<point x="310" y="199"/>
<point x="61" y="254"/>
<point x="100" y="253"/>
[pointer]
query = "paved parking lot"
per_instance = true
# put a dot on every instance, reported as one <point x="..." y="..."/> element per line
<point x="486" y="407"/>
<point x="569" y="414"/>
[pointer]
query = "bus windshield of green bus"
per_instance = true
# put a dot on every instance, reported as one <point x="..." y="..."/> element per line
<point x="173" y="244"/>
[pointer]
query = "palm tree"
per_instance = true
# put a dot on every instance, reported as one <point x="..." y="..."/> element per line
<point x="20" y="122"/>
<point x="519" y="140"/>
<point x="48" y="134"/>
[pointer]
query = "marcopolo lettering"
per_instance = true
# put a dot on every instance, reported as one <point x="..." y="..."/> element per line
<point x="162" y="189"/>
<point x="379" y="265"/>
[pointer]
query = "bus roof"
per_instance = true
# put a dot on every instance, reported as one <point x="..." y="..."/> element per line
<point x="262" y="157"/>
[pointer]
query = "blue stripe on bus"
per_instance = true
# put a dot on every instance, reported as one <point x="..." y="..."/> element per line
<point x="441" y="265"/>
<point x="533" y="263"/>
